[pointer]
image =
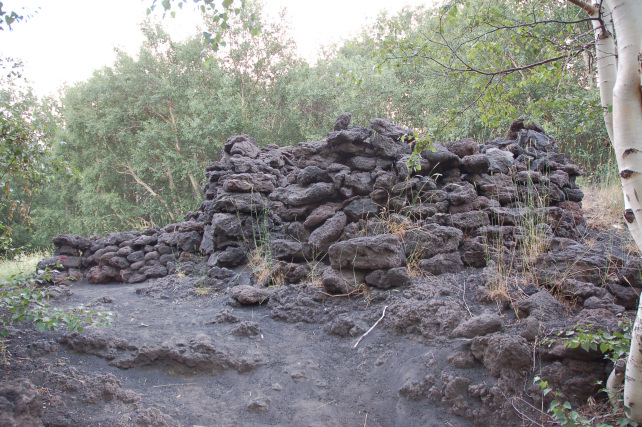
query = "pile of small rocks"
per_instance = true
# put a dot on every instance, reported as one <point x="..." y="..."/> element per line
<point x="357" y="203"/>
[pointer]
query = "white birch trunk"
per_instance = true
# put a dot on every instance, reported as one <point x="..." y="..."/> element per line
<point x="627" y="143"/>
<point x="605" y="60"/>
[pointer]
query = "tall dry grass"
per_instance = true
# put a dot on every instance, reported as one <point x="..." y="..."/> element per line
<point x="23" y="263"/>
<point x="603" y="205"/>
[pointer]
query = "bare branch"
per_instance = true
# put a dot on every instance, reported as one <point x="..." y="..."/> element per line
<point x="587" y="7"/>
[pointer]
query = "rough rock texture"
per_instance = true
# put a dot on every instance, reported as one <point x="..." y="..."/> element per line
<point x="20" y="405"/>
<point x="343" y="196"/>
<point x="296" y="250"/>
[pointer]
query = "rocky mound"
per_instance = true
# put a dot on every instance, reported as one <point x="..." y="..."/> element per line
<point x="352" y="202"/>
<point x="478" y="257"/>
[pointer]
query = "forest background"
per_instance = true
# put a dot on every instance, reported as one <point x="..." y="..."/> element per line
<point x="127" y="148"/>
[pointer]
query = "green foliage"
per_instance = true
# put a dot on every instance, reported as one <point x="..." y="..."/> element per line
<point x="615" y="345"/>
<point x="563" y="413"/>
<point x="489" y="62"/>
<point x="220" y="17"/>
<point x="24" y="301"/>
<point x="26" y="164"/>
<point x="140" y="132"/>
<point x="566" y="416"/>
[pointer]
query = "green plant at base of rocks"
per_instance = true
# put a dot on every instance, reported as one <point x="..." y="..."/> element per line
<point x="21" y="300"/>
<point x="614" y="346"/>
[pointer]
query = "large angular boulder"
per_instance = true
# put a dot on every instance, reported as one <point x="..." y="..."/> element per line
<point x="324" y="236"/>
<point x="244" y="145"/>
<point x="384" y="251"/>
<point x="393" y="131"/>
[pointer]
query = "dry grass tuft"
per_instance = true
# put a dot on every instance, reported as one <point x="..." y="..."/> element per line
<point x="398" y="226"/>
<point x="260" y="262"/>
<point x="268" y="272"/>
<point x="202" y="291"/>
<point x="314" y="277"/>
<point x="603" y="206"/>
<point x="413" y="265"/>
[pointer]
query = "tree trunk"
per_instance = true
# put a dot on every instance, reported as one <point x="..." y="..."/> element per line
<point x="130" y="171"/>
<point x="627" y="143"/>
<point x="620" y="77"/>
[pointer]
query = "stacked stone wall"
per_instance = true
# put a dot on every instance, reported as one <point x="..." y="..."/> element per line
<point x="352" y="204"/>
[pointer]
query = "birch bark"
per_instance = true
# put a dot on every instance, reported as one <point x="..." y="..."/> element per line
<point x="627" y="143"/>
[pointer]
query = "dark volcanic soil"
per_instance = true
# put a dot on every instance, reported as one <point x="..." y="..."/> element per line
<point x="176" y="358"/>
<point x="444" y="354"/>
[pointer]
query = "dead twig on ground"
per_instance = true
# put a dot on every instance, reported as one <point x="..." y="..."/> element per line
<point x="371" y="328"/>
<point x="172" y="385"/>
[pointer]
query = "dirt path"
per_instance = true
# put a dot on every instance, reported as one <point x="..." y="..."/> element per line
<point x="175" y="358"/>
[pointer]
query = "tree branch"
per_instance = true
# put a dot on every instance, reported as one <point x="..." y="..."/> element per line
<point x="587" y="7"/>
<point x="130" y="171"/>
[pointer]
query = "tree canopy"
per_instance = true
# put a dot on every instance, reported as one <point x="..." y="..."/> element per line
<point x="140" y="131"/>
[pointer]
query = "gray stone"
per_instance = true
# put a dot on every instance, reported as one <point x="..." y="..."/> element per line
<point x="475" y="164"/>
<point x="606" y="302"/>
<point x="499" y="352"/>
<point x="387" y="128"/>
<point x="136" y="256"/>
<point x="153" y="271"/>
<point x="247" y="203"/>
<point x="459" y="194"/>
<point x="479" y="325"/>
<point x="124" y="251"/>
<point x="119" y="262"/>
<point x="137" y="265"/>
<point x="543" y="306"/>
<point x="250" y="295"/>
<point x="385" y="279"/>
<point x="226" y="229"/>
<point x="362" y="163"/>
<point x="319" y="215"/>
<point x="287" y="250"/>
<point x="368" y="253"/>
<point x="102" y="274"/>
<point x="469" y="221"/>
<point x="145" y="240"/>
<point x="442" y="263"/>
<point x="361" y="208"/>
<point x="248" y="183"/>
<point x="72" y="240"/>
<point x="231" y="257"/>
<point x="353" y="134"/>
<point x="295" y="195"/>
<point x="500" y="161"/>
<point x="361" y="183"/>
<point x="312" y="174"/>
<point x="440" y="158"/>
<point x="431" y="239"/>
<point x="473" y="252"/>
<point x="335" y="283"/>
<point x="324" y="236"/>
<point x="463" y="147"/>
<point x="244" y="145"/>
<point x="388" y="148"/>
<point x="343" y="121"/>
